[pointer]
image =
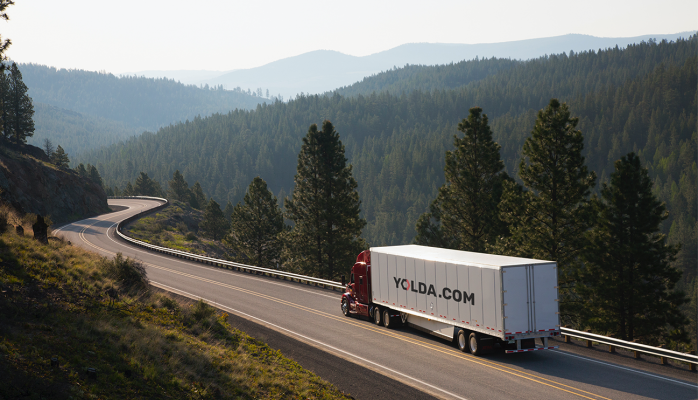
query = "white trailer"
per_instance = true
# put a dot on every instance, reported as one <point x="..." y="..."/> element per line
<point x="474" y="298"/>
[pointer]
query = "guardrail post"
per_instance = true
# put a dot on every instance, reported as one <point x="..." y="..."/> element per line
<point x="589" y="344"/>
<point x="636" y="353"/>
<point x="611" y="348"/>
<point x="568" y="338"/>
<point x="663" y="359"/>
<point x="691" y="366"/>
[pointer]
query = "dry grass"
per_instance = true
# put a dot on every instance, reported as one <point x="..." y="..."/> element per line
<point x="61" y="301"/>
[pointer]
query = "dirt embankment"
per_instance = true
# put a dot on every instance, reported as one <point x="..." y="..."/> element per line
<point x="33" y="185"/>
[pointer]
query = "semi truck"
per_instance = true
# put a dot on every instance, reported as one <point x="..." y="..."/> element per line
<point x="482" y="302"/>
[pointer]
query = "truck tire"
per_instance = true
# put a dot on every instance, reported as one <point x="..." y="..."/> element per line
<point x="474" y="344"/>
<point x="345" y="307"/>
<point x="387" y="321"/>
<point x="462" y="341"/>
<point x="377" y="315"/>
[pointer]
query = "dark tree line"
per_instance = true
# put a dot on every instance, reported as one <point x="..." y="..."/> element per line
<point x="615" y="271"/>
<point x="16" y="108"/>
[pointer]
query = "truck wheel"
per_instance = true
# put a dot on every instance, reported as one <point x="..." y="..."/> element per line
<point x="377" y="315"/>
<point x="386" y="318"/>
<point x="345" y="307"/>
<point x="474" y="344"/>
<point x="462" y="341"/>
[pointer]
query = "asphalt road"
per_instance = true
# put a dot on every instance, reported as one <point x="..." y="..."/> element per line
<point x="368" y="361"/>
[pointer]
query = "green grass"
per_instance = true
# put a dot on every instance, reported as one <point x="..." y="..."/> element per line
<point x="60" y="301"/>
<point x="167" y="229"/>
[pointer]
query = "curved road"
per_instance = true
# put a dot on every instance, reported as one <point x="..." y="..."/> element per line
<point x="368" y="361"/>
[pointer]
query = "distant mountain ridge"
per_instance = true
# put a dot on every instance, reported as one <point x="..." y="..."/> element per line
<point x="325" y="70"/>
<point x="81" y="110"/>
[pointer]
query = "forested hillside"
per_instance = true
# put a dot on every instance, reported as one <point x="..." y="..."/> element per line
<point x="76" y="132"/>
<point x="106" y="102"/>
<point x="568" y="74"/>
<point x="642" y="98"/>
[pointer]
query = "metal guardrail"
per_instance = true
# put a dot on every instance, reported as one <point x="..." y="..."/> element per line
<point x="638" y="348"/>
<point x="214" y="261"/>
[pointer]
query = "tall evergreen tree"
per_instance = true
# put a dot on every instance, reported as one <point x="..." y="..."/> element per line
<point x="628" y="281"/>
<point x="60" y="158"/>
<point x="467" y="202"/>
<point x="94" y="174"/>
<point x="324" y="208"/>
<point x="429" y="229"/>
<point x="81" y="170"/>
<point x="550" y="219"/>
<point x="197" y="198"/>
<point x="48" y="148"/>
<point x="229" y="210"/>
<point x="213" y="222"/>
<point x="178" y="189"/>
<point x="5" y="103"/>
<point x="129" y="191"/>
<point x="144" y="186"/>
<point x="6" y="44"/>
<point x="21" y="109"/>
<point x="256" y="225"/>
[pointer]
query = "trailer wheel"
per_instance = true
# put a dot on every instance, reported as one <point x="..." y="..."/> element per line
<point x="345" y="307"/>
<point x="377" y="315"/>
<point x="462" y="341"/>
<point x="474" y="344"/>
<point x="386" y="318"/>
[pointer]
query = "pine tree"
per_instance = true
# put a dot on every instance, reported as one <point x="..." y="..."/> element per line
<point x="81" y="170"/>
<point x="256" y="225"/>
<point x="324" y="208"/>
<point x="229" y="210"/>
<point x="128" y="190"/>
<point x="6" y="44"/>
<point x="430" y="230"/>
<point x="213" y="222"/>
<point x="197" y="198"/>
<point x="144" y="186"/>
<point x="178" y="189"/>
<point x="628" y="280"/>
<point x="4" y="103"/>
<point x="466" y="206"/>
<point x="550" y="219"/>
<point x="60" y="158"/>
<point x="21" y="109"/>
<point x="94" y="174"/>
<point x="48" y="148"/>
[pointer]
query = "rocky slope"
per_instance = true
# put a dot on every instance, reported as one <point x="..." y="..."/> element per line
<point x="33" y="185"/>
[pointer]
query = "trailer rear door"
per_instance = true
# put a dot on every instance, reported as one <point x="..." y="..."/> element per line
<point x="530" y="298"/>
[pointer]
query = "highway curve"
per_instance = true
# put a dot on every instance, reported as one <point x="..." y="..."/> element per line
<point x="368" y="361"/>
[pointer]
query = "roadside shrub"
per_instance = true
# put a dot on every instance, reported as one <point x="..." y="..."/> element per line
<point x="127" y="272"/>
<point x="191" y="237"/>
<point x="201" y="311"/>
<point x="169" y="303"/>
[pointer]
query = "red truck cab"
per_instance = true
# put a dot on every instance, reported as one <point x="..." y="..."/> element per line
<point x="356" y="299"/>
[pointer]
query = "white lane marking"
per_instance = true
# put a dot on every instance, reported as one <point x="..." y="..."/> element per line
<point x="87" y="219"/>
<point x="213" y="269"/>
<point x="625" y="368"/>
<point x="192" y="296"/>
<point x="174" y="259"/>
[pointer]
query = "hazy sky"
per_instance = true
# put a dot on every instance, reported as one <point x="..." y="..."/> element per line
<point x="129" y="36"/>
